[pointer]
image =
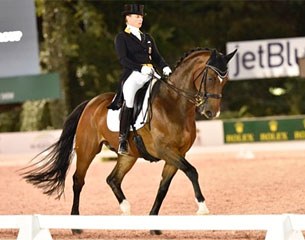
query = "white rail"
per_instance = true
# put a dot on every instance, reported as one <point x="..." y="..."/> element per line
<point x="36" y="227"/>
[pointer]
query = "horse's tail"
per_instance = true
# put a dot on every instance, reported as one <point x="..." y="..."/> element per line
<point x="50" y="172"/>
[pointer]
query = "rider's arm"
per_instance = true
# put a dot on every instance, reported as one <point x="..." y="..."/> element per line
<point x="156" y="56"/>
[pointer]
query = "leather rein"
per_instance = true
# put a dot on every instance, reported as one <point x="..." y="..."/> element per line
<point x="199" y="98"/>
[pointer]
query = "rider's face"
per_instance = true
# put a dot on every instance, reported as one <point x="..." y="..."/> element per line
<point x="134" y="20"/>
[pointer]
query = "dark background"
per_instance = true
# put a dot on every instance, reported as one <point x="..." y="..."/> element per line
<point x="76" y="40"/>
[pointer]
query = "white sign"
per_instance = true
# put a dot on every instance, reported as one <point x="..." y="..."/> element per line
<point x="18" y="39"/>
<point x="27" y="142"/>
<point x="269" y="58"/>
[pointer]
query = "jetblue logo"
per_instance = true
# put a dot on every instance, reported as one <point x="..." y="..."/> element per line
<point x="266" y="58"/>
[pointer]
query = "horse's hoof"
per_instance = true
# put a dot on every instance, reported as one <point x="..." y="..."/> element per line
<point x="125" y="207"/>
<point x="202" y="209"/>
<point x="155" y="232"/>
<point x="77" y="231"/>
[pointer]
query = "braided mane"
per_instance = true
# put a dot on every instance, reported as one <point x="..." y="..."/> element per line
<point x="188" y="53"/>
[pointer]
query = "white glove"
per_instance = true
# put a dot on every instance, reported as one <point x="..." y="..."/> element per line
<point x="146" y="70"/>
<point x="156" y="75"/>
<point x="167" y="71"/>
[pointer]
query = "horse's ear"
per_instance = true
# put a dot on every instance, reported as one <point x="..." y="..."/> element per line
<point x="230" y="55"/>
<point x="213" y="54"/>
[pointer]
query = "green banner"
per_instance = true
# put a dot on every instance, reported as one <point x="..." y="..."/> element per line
<point x="33" y="87"/>
<point x="264" y="130"/>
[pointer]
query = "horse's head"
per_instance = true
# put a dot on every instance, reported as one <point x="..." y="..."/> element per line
<point x="214" y="77"/>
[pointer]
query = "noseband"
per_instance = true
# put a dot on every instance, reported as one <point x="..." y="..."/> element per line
<point x="199" y="98"/>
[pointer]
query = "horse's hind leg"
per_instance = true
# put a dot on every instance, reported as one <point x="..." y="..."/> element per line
<point x="85" y="155"/>
<point x="114" y="180"/>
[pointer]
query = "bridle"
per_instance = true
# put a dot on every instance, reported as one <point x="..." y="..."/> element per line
<point x="198" y="98"/>
<point x="202" y="98"/>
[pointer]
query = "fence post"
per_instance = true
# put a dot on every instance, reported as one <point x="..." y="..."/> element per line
<point x="25" y="227"/>
<point x="282" y="229"/>
<point x="30" y="229"/>
<point x="290" y="231"/>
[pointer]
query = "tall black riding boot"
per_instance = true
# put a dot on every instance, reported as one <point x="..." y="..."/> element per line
<point x="124" y="129"/>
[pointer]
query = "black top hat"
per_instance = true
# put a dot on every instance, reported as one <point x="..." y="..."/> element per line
<point x="133" y="9"/>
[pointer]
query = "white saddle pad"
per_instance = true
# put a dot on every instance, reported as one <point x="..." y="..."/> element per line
<point x="113" y="116"/>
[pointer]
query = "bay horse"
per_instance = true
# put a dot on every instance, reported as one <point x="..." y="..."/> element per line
<point x="196" y="84"/>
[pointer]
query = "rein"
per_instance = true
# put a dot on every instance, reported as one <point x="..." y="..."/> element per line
<point x="198" y="99"/>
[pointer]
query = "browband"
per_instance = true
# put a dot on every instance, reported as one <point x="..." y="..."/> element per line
<point x="220" y="73"/>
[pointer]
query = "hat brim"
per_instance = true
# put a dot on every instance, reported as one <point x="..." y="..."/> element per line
<point x="137" y="13"/>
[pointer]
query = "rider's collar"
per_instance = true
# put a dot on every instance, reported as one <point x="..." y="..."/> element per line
<point x="131" y="29"/>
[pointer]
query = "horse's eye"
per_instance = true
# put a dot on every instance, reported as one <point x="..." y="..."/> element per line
<point x="210" y="79"/>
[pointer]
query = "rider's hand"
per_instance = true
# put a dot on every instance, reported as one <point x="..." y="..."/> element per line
<point x="167" y="71"/>
<point x="146" y="70"/>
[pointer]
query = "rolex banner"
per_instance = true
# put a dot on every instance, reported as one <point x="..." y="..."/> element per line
<point x="264" y="130"/>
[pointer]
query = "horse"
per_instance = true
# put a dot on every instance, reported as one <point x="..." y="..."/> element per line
<point x="195" y="85"/>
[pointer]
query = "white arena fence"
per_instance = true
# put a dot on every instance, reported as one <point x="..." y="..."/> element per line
<point x="277" y="227"/>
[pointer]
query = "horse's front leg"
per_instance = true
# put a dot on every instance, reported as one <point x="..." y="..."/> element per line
<point x="182" y="164"/>
<point x="168" y="173"/>
<point x="192" y="174"/>
<point x="114" y="180"/>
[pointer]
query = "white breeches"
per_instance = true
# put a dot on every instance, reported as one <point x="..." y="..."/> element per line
<point x="133" y="83"/>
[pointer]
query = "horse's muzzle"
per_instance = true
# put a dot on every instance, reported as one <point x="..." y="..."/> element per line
<point x="208" y="114"/>
<point x="206" y="111"/>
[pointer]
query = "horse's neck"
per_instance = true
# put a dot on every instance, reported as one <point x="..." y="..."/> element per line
<point x="183" y="81"/>
<point x="183" y="76"/>
<point x="174" y="102"/>
<point x="173" y="99"/>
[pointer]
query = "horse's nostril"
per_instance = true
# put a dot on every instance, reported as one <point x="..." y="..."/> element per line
<point x="208" y="114"/>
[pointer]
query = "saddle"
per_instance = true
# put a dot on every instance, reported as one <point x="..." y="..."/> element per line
<point x="142" y="106"/>
<point x="140" y="111"/>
